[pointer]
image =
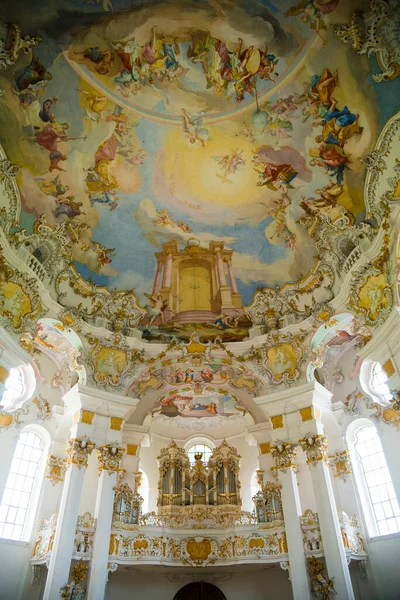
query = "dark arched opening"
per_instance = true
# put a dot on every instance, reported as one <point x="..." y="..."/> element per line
<point x="200" y="590"/>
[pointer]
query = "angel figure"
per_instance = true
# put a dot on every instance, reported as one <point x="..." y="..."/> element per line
<point x="376" y="295"/>
<point x="312" y="12"/>
<point x="164" y="218"/>
<point x="192" y="127"/>
<point x="139" y="158"/>
<point x="184" y="226"/>
<point x="155" y="308"/>
<point x="247" y="133"/>
<point x="53" y="188"/>
<point x="326" y="202"/>
<point x="229" y="164"/>
<point x="102" y="253"/>
<point x="95" y="105"/>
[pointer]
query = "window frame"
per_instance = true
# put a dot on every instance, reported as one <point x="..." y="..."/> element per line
<point x="29" y="386"/>
<point x="362" y="489"/>
<point x="366" y="379"/>
<point x="203" y="440"/>
<point x="35" y="494"/>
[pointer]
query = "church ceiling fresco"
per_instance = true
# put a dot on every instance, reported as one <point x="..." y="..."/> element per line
<point x="188" y="152"/>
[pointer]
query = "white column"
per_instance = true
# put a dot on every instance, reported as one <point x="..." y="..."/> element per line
<point x="109" y="461"/>
<point x="60" y="560"/>
<point x="315" y="446"/>
<point x="284" y="454"/>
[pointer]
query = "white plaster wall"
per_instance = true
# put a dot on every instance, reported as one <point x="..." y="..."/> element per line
<point x="243" y="584"/>
<point x="14" y="562"/>
<point x="384" y="556"/>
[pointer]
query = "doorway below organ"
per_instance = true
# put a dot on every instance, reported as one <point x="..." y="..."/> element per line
<point x="200" y="590"/>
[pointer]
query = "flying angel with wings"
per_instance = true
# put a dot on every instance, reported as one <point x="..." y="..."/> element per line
<point x="312" y="12"/>
<point x="229" y="164"/>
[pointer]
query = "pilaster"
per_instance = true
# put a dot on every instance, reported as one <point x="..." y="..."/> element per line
<point x="78" y="450"/>
<point x="97" y="418"/>
<point x="303" y="414"/>
<point x="284" y="455"/>
<point x="316" y="448"/>
<point x="109" y="458"/>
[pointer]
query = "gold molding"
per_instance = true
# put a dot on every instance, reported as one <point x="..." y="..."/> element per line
<point x="389" y="368"/>
<point x="3" y="374"/>
<point x="265" y="447"/>
<point x="116" y="423"/>
<point x="131" y="449"/>
<point x="306" y="413"/>
<point x="5" y="421"/>
<point x="277" y="421"/>
<point x="87" y="417"/>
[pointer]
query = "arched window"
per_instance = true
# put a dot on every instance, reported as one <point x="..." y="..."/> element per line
<point x="374" y="379"/>
<point x="13" y="388"/>
<point x="196" y="448"/>
<point x="17" y="388"/>
<point x="21" y="494"/>
<point x="379" y="378"/>
<point x="377" y="494"/>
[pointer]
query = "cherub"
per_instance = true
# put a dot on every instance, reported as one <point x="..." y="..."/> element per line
<point x="246" y="132"/>
<point x="139" y="157"/>
<point x="184" y="226"/>
<point x="192" y="127"/>
<point x="164" y="218"/>
<point x="312" y="12"/>
<point x="102" y="253"/>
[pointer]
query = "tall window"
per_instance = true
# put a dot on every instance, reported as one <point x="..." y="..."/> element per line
<point x="13" y="388"/>
<point x="203" y="448"/>
<point x="375" y="473"/>
<point x="379" y="384"/>
<point x="17" y="498"/>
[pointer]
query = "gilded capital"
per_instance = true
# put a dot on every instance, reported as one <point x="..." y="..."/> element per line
<point x="315" y="446"/>
<point x="284" y="455"/>
<point x="109" y="457"/>
<point x="78" y="450"/>
<point x="138" y="480"/>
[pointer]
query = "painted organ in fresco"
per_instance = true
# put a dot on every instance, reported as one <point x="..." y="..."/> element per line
<point x="194" y="286"/>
